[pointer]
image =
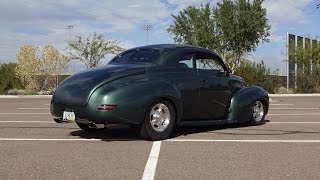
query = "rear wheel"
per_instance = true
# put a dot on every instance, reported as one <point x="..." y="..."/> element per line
<point x="258" y="113"/>
<point x="159" y="121"/>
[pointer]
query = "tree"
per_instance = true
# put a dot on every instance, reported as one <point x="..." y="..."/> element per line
<point x="8" y="78"/>
<point x="258" y="74"/>
<point x="233" y="28"/>
<point x="94" y="48"/>
<point x="308" y="68"/>
<point x="196" y="26"/>
<point x="38" y="67"/>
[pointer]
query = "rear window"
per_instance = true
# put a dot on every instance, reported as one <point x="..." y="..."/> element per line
<point x="137" y="56"/>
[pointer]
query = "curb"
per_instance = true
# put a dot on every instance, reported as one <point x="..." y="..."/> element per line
<point x="8" y="96"/>
<point x="25" y="96"/>
<point x="49" y="96"/>
<point x="294" y="95"/>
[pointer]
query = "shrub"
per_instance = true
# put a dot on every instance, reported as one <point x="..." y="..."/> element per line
<point x="20" y="92"/>
<point x="8" y="77"/>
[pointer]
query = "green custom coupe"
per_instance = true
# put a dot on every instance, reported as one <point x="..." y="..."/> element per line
<point x="156" y="88"/>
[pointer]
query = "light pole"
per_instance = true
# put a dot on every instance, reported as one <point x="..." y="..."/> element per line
<point x="147" y="27"/>
<point x="70" y="27"/>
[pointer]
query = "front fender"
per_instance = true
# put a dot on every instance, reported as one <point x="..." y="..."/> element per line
<point x="243" y="101"/>
<point x="133" y="95"/>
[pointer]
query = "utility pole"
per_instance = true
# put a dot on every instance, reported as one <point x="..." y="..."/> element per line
<point x="70" y="27"/>
<point x="147" y="28"/>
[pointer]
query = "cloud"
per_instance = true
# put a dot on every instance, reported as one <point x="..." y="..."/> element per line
<point x="275" y="38"/>
<point x="286" y="11"/>
<point x="43" y="22"/>
<point x="178" y="5"/>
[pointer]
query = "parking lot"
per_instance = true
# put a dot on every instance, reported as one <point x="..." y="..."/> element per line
<point x="32" y="146"/>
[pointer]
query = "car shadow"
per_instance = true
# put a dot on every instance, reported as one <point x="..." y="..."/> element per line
<point x="126" y="133"/>
<point x="253" y="131"/>
<point x="188" y="130"/>
<point x="113" y="133"/>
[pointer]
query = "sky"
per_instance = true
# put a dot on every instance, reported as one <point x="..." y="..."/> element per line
<point x="41" y="22"/>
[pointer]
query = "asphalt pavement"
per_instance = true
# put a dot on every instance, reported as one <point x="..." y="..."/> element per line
<point x="287" y="146"/>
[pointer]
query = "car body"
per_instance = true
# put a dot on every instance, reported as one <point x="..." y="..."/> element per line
<point x="155" y="88"/>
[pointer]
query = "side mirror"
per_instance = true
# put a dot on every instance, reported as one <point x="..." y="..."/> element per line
<point x="229" y="71"/>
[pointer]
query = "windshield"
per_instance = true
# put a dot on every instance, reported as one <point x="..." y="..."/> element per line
<point x="137" y="56"/>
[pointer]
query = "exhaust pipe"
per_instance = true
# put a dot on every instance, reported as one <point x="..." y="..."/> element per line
<point x="89" y="123"/>
<point x="57" y="119"/>
<point x="96" y="126"/>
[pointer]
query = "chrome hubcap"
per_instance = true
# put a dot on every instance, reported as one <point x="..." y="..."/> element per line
<point x="159" y="117"/>
<point x="258" y="111"/>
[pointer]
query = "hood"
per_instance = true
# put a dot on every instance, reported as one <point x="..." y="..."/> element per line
<point x="237" y="81"/>
<point x="77" y="89"/>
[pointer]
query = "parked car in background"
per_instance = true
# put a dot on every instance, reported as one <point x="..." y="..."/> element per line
<point x="156" y="88"/>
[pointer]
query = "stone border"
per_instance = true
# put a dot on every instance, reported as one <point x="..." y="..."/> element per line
<point x="25" y="96"/>
<point x="49" y="96"/>
<point x="294" y="95"/>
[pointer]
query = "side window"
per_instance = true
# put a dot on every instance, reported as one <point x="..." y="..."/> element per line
<point x="208" y="62"/>
<point x="186" y="61"/>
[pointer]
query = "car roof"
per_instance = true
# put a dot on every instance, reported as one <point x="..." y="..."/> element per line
<point x="173" y="46"/>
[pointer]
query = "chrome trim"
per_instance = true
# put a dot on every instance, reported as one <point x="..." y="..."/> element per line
<point x="159" y="117"/>
<point x="258" y="111"/>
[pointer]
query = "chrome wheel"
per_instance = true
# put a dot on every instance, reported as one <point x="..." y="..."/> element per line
<point x="258" y="111"/>
<point x="159" y="117"/>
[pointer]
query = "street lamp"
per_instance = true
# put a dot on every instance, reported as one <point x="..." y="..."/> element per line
<point x="147" y="27"/>
<point x="70" y="27"/>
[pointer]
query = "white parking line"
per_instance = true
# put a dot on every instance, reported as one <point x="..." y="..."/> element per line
<point x="25" y="113"/>
<point x="297" y="114"/>
<point x="279" y="122"/>
<point x="32" y="108"/>
<point x="49" y="122"/>
<point x="294" y="108"/>
<point x="154" y="154"/>
<point x="30" y="139"/>
<point x="243" y="140"/>
<point x="151" y="166"/>
<point x="281" y="104"/>
<point x="293" y="122"/>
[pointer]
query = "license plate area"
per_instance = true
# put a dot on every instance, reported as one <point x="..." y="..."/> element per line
<point x="69" y="117"/>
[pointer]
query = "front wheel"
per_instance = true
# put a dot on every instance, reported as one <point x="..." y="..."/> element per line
<point x="159" y="121"/>
<point x="258" y="113"/>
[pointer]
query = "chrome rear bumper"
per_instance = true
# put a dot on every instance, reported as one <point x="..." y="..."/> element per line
<point x="91" y="124"/>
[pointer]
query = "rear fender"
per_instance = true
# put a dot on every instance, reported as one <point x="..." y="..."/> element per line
<point x="134" y="95"/>
<point x="243" y="101"/>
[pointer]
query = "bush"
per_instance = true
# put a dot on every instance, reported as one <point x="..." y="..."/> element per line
<point x="258" y="74"/>
<point x="20" y="92"/>
<point x="8" y="77"/>
<point x="283" y="90"/>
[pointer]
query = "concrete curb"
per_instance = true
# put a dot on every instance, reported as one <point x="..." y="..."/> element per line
<point x="25" y="96"/>
<point x="270" y="95"/>
<point x="294" y="95"/>
<point x="8" y="96"/>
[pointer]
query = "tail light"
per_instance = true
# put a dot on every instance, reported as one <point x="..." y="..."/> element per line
<point x="107" y="107"/>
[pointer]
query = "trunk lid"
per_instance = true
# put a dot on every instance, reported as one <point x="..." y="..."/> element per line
<point x="77" y="89"/>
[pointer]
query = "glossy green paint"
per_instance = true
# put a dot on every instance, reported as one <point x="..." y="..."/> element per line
<point x="242" y="102"/>
<point x="202" y="98"/>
